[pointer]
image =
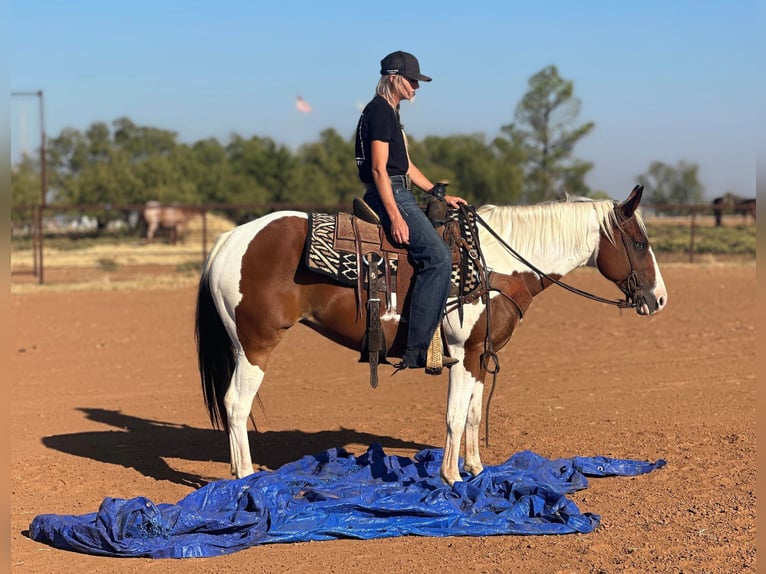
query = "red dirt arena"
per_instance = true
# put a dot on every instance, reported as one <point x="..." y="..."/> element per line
<point x="105" y="401"/>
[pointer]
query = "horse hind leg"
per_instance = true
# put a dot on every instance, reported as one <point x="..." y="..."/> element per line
<point x="238" y="400"/>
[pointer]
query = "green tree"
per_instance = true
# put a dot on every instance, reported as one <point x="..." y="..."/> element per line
<point x="162" y="168"/>
<point x="545" y="129"/>
<point x="26" y="186"/>
<point x="210" y="170"/>
<point x="478" y="172"/>
<point x="262" y="168"/>
<point x="141" y="142"/>
<point x="666" y="184"/>
<point x="88" y="169"/>
<point x="326" y="171"/>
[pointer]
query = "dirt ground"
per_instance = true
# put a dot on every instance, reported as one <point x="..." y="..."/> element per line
<point x="105" y="401"/>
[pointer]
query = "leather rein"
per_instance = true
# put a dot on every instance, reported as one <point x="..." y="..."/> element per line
<point x="631" y="279"/>
<point x="489" y="360"/>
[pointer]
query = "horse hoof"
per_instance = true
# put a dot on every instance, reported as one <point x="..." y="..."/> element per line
<point x="473" y="470"/>
<point x="451" y="481"/>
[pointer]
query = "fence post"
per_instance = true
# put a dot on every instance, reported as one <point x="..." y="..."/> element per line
<point x="204" y="234"/>
<point x="693" y="229"/>
<point x="37" y="243"/>
<point x="35" y="254"/>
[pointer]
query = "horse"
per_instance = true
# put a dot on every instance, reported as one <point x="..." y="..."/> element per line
<point x="746" y="207"/>
<point x="737" y="204"/>
<point x="255" y="285"/>
<point x="172" y="217"/>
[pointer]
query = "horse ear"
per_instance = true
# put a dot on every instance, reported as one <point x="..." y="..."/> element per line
<point x="629" y="206"/>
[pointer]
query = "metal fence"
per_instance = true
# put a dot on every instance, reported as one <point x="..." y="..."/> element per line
<point x="36" y="230"/>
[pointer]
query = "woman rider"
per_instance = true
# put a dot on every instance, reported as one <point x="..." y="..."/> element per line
<point x="388" y="173"/>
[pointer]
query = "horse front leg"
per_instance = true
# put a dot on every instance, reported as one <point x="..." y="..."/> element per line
<point x="245" y="382"/>
<point x="461" y="385"/>
<point x="472" y="459"/>
<point x="150" y="231"/>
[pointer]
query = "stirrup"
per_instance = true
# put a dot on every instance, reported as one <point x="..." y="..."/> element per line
<point x="435" y="359"/>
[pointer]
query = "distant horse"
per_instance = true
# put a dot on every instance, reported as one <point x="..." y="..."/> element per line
<point x="255" y="285"/>
<point x="735" y="204"/>
<point x="171" y="217"/>
<point x="746" y="207"/>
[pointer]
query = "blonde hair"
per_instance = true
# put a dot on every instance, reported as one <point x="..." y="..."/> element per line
<point x="386" y="89"/>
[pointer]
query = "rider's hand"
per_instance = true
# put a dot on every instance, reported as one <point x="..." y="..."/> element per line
<point x="440" y="190"/>
<point x="454" y="201"/>
<point x="400" y="232"/>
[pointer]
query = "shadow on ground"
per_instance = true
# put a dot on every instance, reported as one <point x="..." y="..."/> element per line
<point x="145" y="444"/>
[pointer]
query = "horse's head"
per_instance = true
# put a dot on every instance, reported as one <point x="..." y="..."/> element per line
<point x="627" y="259"/>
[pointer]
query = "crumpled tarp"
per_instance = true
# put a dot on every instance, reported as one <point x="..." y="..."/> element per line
<point x="337" y="495"/>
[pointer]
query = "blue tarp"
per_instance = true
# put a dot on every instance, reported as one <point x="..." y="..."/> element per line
<point x="335" y="494"/>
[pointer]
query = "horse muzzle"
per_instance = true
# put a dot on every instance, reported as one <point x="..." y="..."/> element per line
<point x="647" y="302"/>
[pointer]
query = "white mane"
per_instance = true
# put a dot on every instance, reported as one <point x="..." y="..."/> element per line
<point x="557" y="227"/>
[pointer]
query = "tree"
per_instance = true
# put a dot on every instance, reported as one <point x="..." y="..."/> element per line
<point x="26" y="188"/>
<point x="210" y="170"/>
<point x="141" y="142"/>
<point x="666" y="184"/>
<point x="326" y="171"/>
<point x="478" y="172"/>
<point x="263" y="166"/>
<point x="545" y="129"/>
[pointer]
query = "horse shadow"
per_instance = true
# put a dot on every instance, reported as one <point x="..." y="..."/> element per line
<point x="145" y="444"/>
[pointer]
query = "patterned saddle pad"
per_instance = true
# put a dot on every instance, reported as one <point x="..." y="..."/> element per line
<point x="322" y="256"/>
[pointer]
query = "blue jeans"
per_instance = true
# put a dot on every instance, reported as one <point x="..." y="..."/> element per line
<point x="433" y="266"/>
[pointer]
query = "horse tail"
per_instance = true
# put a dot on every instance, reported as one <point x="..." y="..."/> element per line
<point x="215" y="351"/>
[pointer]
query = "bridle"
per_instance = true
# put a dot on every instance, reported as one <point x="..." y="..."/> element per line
<point x="629" y="285"/>
<point x="489" y="359"/>
<point x="630" y="282"/>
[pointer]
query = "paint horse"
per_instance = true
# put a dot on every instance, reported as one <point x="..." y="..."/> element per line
<point x="255" y="285"/>
<point x="171" y="217"/>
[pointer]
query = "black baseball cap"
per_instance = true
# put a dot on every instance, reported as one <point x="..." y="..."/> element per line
<point x="404" y="64"/>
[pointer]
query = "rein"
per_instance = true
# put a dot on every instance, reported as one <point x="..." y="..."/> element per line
<point x="626" y="303"/>
<point x="489" y="360"/>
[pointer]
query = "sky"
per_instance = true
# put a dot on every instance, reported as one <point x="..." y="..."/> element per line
<point x="663" y="80"/>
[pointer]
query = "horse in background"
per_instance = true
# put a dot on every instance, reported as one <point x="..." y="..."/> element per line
<point x="734" y="203"/>
<point x="170" y="217"/>
<point x="746" y="207"/>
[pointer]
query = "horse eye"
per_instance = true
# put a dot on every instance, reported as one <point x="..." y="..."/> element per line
<point x="639" y="245"/>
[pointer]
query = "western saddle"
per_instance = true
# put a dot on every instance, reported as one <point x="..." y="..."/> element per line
<point x="361" y="233"/>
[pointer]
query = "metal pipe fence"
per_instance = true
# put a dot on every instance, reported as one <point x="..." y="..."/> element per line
<point x="39" y="232"/>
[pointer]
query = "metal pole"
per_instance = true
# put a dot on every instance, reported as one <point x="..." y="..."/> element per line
<point x="37" y="245"/>
<point x="43" y="162"/>
<point x="39" y="226"/>
<point x="43" y="180"/>
<point x="35" y="253"/>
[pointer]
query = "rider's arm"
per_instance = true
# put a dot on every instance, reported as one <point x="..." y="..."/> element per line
<point x="379" y="152"/>
<point x="425" y="184"/>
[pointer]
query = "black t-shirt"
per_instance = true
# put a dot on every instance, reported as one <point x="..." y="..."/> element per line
<point x="379" y="121"/>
